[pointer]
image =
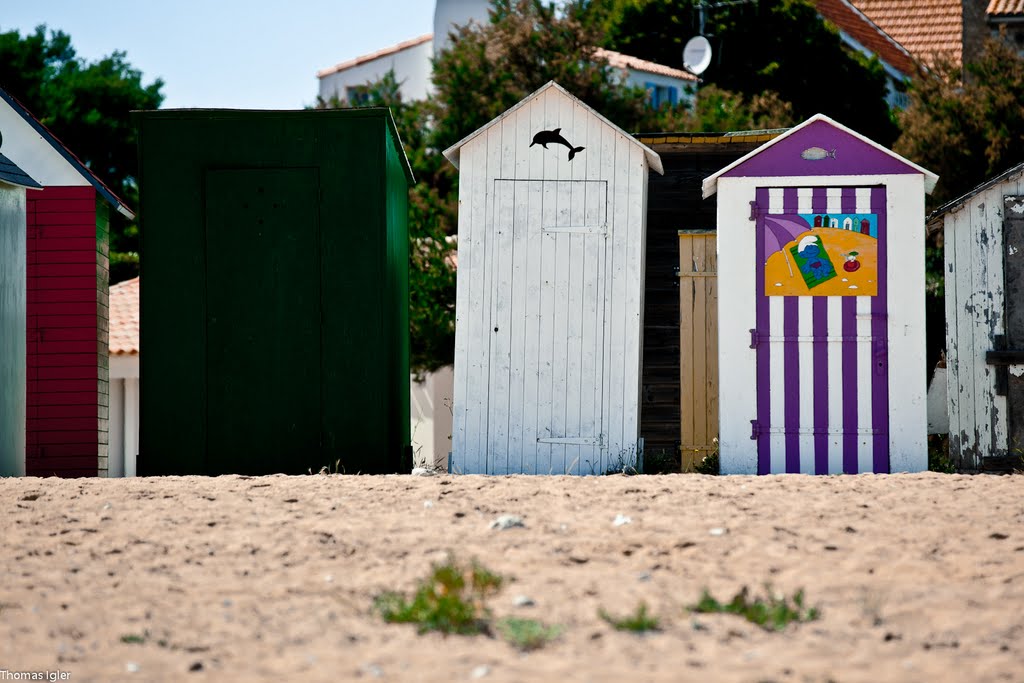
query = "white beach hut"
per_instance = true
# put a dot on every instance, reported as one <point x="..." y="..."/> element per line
<point x="552" y="211"/>
<point x="821" y="321"/>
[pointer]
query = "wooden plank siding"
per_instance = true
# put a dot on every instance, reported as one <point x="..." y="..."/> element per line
<point x="68" y="271"/>
<point x="976" y="308"/>
<point x="698" y="340"/>
<point x="674" y="205"/>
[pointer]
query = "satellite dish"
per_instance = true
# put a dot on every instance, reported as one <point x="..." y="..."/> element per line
<point x="697" y="55"/>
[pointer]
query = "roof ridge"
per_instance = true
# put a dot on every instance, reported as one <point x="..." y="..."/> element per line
<point x="370" y="56"/>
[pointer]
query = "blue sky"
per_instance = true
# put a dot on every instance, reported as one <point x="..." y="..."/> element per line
<point x="227" y="53"/>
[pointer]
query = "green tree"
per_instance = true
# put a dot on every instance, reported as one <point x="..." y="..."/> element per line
<point x="86" y="105"/>
<point x="966" y="130"/>
<point x="769" y="46"/>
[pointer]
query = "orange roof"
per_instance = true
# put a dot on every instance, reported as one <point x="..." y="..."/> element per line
<point x="621" y="61"/>
<point x="404" y="45"/>
<point x="856" y="25"/>
<point x="124" y="318"/>
<point x="926" y="28"/>
<point x="1003" y="8"/>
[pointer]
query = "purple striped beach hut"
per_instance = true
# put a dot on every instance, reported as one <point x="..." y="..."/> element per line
<point x="821" y="306"/>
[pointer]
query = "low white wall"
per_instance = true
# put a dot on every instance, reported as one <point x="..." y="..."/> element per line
<point x="431" y="412"/>
<point x="124" y="415"/>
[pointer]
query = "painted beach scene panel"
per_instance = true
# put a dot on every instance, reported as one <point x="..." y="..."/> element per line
<point x="821" y="254"/>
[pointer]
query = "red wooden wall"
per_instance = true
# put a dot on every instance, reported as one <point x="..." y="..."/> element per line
<point x="68" y="265"/>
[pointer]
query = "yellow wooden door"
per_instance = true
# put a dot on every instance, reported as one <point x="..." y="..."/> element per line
<point x="698" y="346"/>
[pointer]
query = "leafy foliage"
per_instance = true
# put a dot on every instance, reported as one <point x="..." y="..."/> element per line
<point x="450" y="600"/>
<point x="638" y="622"/>
<point x="772" y="613"/>
<point x="86" y="105"/>
<point x="966" y="127"/>
<point x="779" y="49"/>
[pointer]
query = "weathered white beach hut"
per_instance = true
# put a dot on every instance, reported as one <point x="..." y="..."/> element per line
<point x="984" y="257"/>
<point x="821" y="306"/>
<point x="552" y="214"/>
<point x="13" y="315"/>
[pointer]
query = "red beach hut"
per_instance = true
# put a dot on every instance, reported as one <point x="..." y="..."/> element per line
<point x="67" y="300"/>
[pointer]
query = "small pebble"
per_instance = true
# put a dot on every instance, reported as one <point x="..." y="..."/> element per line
<point x="643" y="576"/>
<point x="373" y="670"/>
<point x="196" y="666"/>
<point x="480" y="671"/>
<point x="422" y="472"/>
<point x="329" y="578"/>
<point x="523" y="601"/>
<point x="718" y="531"/>
<point x="507" y="522"/>
<point x="428" y="504"/>
<point x="131" y="667"/>
<point x="620" y="520"/>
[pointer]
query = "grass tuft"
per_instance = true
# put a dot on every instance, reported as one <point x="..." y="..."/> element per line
<point x="638" y="622"/>
<point x="451" y="600"/>
<point x="772" y="613"/>
<point x="527" y="634"/>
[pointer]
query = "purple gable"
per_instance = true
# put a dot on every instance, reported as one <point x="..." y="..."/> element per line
<point x="820" y="149"/>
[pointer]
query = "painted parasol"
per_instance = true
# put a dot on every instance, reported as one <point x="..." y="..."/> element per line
<point x="780" y="230"/>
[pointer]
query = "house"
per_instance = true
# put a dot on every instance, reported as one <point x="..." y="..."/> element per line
<point x="984" y="269"/>
<point x="13" y="184"/>
<point x="124" y="378"/>
<point x="67" y="299"/>
<point x="410" y="61"/>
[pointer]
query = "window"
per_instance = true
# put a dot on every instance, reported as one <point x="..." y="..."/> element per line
<point x="357" y="96"/>
<point x="662" y="95"/>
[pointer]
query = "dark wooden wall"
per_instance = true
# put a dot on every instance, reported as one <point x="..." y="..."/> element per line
<point x="674" y="204"/>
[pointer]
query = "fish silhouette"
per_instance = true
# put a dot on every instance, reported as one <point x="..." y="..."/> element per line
<point x="817" y="154"/>
<point x="554" y="137"/>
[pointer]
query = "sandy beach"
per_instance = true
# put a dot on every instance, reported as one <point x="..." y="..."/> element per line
<point x="918" y="577"/>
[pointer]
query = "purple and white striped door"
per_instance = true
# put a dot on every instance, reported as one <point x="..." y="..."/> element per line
<point x="821" y="336"/>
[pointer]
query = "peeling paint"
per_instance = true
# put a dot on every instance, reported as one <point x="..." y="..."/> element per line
<point x="1017" y="370"/>
<point x="1013" y="250"/>
<point x="1017" y="208"/>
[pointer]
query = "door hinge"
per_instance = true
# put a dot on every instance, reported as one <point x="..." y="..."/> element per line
<point x="755" y="430"/>
<point x="755" y="338"/>
<point x="754" y="211"/>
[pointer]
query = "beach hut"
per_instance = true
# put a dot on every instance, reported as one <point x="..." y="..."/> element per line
<point x="821" y="329"/>
<point x="549" y="306"/>
<point x="13" y="304"/>
<point x="983" y="237"/>
<point x="275" y="311"/>
<point x="68" y="264"/>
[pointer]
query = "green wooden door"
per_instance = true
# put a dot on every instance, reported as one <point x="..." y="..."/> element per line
<point x="263" y="362"/>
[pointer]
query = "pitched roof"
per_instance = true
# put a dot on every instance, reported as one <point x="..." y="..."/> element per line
<point x="1005" y="8"/>
<point x="124" y="317"/>
<point x="452" y="153"/>
<point x="926" y="28"/>
<point x="710" y="185"/>
<point x="362" y="59"/>
<point x="861" y="29"/>
<point x="68" y="155"/>
<point x="1011" y="174"/>
<point x="11" y="174"/>
<point x="621" y="61"/>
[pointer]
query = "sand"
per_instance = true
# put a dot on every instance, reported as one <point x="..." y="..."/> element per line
<point x="918" y="577"/>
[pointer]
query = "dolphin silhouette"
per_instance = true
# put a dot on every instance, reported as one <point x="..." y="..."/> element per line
<point x="554" y="137"/>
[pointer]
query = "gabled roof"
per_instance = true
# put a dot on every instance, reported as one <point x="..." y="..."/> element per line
<point x="452" y="153"/>
<point x="926" y="28"/>
<point x="51" y="139"/>
<point x="362" y="59"/>
<point x="628" y="62"/>
<point x="875" y="150"/>
<point x="1011" y="174"/>
<point x="12" y="175"/>
<point x="124" y="317"/>
<point x="858" y="27"/>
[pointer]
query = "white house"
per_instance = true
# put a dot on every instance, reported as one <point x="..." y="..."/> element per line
<point x="411" y="63"/>
<point x="124" y="378"/>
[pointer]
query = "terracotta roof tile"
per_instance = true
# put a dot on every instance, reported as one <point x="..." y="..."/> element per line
<point x="621" y="61"/>
<point x="124" y="317"/>
<point x="855" y="24"/>
<point x="1002" y="8"/>
<point x="362" y="59"/>
<point x="926" y="28"/>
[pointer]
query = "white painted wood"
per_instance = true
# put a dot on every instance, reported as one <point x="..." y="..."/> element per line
<point x="131" y="425"/>
<point x="777" y="380"/>
<point x="950" y="262"/>
<point x="835" y="385"/>
<point x="866" y="379"/>
<point x="115" y="454"/>
<point x="807" y="397"/>
<point x="13" y="329"/>
<point x="33" y="153"/>
<point x="547" y="370"/>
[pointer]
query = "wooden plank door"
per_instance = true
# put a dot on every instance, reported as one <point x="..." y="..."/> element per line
<point x="548" y="252"/>
<point x="263" y="362"/>
<point x="698" y="346"/>
<point x="821" y="335"/>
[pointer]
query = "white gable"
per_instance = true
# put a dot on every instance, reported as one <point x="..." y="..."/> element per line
<point x="453" y="153"/>
<point x="23" y="145"/>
